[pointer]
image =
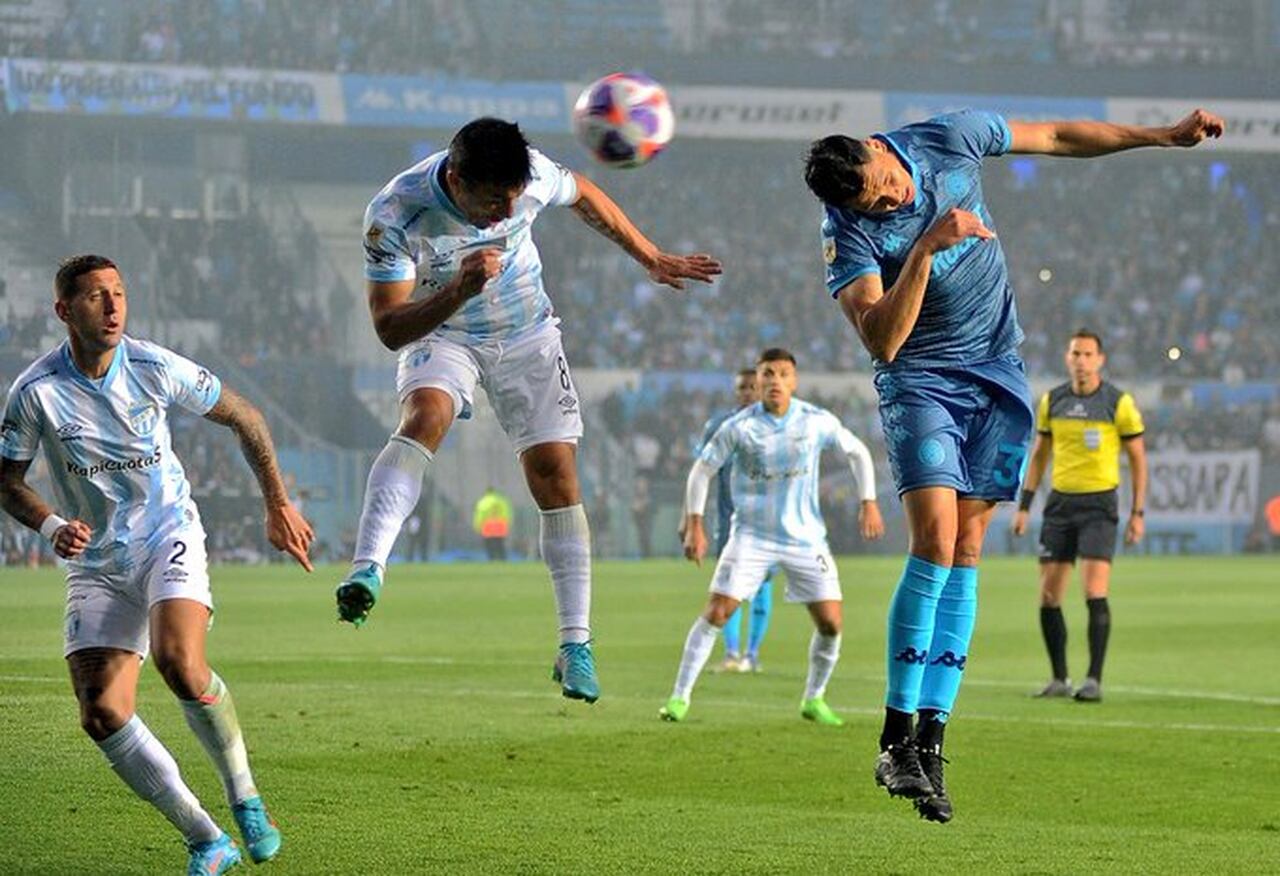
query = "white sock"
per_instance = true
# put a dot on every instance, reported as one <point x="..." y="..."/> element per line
<point x="824" y="653"/>
<point x="697" y="648"/>
<point x="150" y="770"/>
<point x="565" y="540"/>
<point x="212" y="718"/>
<point x="395" y="483"/>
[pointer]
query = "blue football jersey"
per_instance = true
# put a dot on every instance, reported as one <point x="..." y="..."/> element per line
<point x="968" y="315"/>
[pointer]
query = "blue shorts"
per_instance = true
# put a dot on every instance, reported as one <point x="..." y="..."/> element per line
<point x="966" y="428"/>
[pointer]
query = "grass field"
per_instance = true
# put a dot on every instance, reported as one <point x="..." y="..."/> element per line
<point x="432" y="741"/>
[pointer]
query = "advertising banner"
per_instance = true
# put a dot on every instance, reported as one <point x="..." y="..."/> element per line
<point x="773" y="113"/>
<point x="444" y="102"/>
<point x="905" y="107"/>
<point x="1252" y="125"/>
<point x="1219" y="486"/>
<point x="166" y="91"/>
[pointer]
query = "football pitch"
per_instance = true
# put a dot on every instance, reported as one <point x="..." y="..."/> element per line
<point x="433" y="741"/>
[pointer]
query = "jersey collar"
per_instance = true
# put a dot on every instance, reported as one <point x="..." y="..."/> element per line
<point x="442" y="194"/>
<point x="81" y="378"/>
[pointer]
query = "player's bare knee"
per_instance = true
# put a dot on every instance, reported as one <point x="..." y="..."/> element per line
<point x="828" y="626"/>
<point x="718" y="612"/>
<point x="933" y="545"/>
<point x="424" y="424"/>
<point x="184" y="670"/>
<point x="100" y="717"/>
<point x="966" y="554"/>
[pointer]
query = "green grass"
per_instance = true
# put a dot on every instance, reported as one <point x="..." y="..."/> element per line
<point x="432" y="741"/>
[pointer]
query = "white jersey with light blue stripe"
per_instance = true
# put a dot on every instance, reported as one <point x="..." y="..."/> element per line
<point x="775" y="471"/>
<point x="108" y="446"/>
<point x="413" y="231"/>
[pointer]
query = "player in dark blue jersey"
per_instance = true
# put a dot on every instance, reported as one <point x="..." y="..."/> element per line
<point x="915" y="265"/>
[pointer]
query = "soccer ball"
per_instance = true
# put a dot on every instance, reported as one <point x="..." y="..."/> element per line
<point x="624" y="119"/>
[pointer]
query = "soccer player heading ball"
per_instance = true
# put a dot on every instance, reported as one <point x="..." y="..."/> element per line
<point x="455" y="285"/>
<point x="915" y="265"/>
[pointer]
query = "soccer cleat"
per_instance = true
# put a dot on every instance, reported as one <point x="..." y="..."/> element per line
<point x="1089" y="692"/>
<point x="260" y="834"/>
<point x="1058" y="687"/>
<point x="815" y="709"/>
<point x="936" y="806"/>
<point x="358" y="593"/>
<point x="750" y="664"/>
<point x="575" y="672"/>
<point x="898" y="771"/>
<point x="212" y="857"/>
<point x="674" y="710"/>
<point x="731" y="663"/>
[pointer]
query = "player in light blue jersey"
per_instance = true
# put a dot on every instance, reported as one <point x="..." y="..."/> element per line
<point x="455" y="285"/>
<point x="137" y="578"/>
<point x="745" y="392"/>
<point x="774" y="445"/>
<point x="916" y="267"/>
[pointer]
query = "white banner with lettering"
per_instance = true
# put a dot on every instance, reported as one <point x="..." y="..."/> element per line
<point x="1213" y="485"/>
<point x="1252" y="125"/>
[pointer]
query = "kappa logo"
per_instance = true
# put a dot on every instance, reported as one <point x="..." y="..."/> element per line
<point x="894" y="242"/>
<point x="911" y="655"/>
<point x="70" y="431"/>
<point x="950" y="659"/>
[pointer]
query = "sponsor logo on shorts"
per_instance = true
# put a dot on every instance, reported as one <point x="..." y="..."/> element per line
<point x="911" y="655"/>
<point x="114" y="465"/>
<point x="950" y="659"/>
<point x="931" y="452"/>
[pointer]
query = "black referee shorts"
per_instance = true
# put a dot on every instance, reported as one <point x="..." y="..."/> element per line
<point x="1079" y="525"/>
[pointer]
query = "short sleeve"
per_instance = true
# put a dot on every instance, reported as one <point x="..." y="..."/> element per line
<point x="20" y="429"/>
<point x="717" y="451"/>
<point x="977" y="133"/>
<point x="1042" y="416"/>
<point x="1128" y="419"/>
<point x="708" y="430"/>
<point x="552" y="184"/>
<point x="387" y="258"/>
<point x="189" y="385"/>
<point x="847" y="252"/>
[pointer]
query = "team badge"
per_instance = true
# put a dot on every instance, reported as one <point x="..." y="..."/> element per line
<point x="829" y="250"/>
<point x="143" y="417"/>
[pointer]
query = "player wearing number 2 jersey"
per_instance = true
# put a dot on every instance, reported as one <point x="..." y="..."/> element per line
<point x="137" y="579"/>
<point x="917" y="269"/>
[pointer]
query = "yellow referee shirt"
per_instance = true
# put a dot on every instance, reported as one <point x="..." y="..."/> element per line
<point x="1087" y="430"/>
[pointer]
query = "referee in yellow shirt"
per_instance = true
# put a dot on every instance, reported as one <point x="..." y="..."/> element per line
<point x="1083" y="424"/>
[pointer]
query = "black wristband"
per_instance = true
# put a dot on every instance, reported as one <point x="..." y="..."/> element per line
<point x="1025" y="500"/>
<point x="1138" y="512"/>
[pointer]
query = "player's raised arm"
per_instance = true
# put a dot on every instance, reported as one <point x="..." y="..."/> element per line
<point x="1088" y="139"/>
<point x="600" y="212"/>
<point x="287" y="529"/>
<point x="884" y="319"/>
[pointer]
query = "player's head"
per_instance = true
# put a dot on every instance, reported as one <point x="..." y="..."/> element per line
<point x="1085" y="356"/>
<point x="862" y="175"/>
<point x="89" y="296"/>
<point x="745" y="388"/>
<point x="776" y="379"/>
<point x="489" y="167"/>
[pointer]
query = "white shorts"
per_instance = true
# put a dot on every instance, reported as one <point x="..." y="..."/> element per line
<point x="527" y="381"/>
<point x="111" y="609"/>
<point x="744" y="562"/>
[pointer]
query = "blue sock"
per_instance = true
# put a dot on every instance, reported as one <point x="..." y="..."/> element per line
<point x="911" y="615"/>
<point x="761" y="610"/>
<point x="733" y="633"/>
<point x="949" y="651"/>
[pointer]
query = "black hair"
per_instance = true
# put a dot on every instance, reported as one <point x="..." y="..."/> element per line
<point x="489" y="151"/>
<point x="71" y="269"/>
<point x="776" y="354"/>
<point x="1092" y="335"/>
<point x="833" y="170"/>
<point x="746" y="372"/>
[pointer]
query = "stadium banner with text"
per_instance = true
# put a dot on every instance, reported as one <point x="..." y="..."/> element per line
<point x="1252" y="125"/>
<point x="166" y="91"/>
<point x="738" y="113"/>
<point x="905" y="107"/>
<point x="1218" y="486"/>
<point x="446" y="102"/>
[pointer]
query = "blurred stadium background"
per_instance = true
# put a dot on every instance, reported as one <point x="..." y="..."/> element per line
<point x="223" y="151"/>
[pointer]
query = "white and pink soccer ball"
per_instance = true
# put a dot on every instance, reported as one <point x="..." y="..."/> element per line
<point x="624" y="119"/>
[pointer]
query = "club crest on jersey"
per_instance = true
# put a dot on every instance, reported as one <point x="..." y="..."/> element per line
<point x="829" y="250"/>
<point x="143" y="417"/>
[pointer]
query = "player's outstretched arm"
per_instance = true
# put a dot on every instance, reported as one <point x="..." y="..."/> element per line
<point x="600" y="212"/>
<point x="398" y="320"/>
<point x="287" y="529"/>
<point x="884" y="319"/>
<point x="1036" y="466"/>
<point x="1088" y="139"/>
<point x="68" y="537"/>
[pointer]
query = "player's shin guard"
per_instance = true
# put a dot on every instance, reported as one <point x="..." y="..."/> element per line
<point x="949" y="651"/>
<point x="697" y="648"/>
<point x="824" y="653"/>
<point x="212" y="717"/>
<point x="911" y="621"/>
<point x="395" y="483"/>
<point x="565" y="540"/>
<point x="761" y="611"/>
<point x="149" y="769"/>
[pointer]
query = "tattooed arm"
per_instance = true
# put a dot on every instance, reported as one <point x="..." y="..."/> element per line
<point x="600" y="212"/>
<point x="287" y="529"/>
<point x="25" y="505"/>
